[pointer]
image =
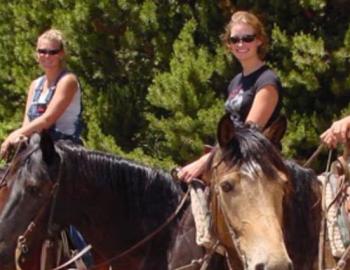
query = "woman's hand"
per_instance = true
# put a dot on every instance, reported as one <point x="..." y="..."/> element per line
<point x="11" y="140"/>
<point x="339" y="132"/>
<point x="193" y="170"/>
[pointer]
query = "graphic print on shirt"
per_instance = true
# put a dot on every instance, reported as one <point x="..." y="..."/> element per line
<point x="234" y="101"/>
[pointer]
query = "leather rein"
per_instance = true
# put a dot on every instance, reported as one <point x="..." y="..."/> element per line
<point x="147" y="237"/>
<point x="22" y="241"/>
<point x="344" y="183"/>
<point x="219" y="207"/>
<point x="23" y="246"/>
<point x="341" y="263"/>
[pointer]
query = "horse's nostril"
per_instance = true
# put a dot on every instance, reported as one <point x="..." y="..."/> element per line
<point x="273" y="265"/>
<point x="260" y="266"/>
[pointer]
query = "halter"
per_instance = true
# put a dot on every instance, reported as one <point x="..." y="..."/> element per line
<point x="23" y="246"/>
<point x="52" y="229"/>
<point x="218" y="205"/>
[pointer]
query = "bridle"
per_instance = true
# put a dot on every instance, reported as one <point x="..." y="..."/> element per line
<point x="52" y="228"/>
<point x="218" y="207"/>
<point x="23" y="240"/>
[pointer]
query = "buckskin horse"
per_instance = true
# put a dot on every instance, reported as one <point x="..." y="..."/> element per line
<point x="266" y="210"/>
<point x="113" y="202"/>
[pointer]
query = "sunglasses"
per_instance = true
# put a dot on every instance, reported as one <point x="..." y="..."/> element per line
<point x="237" y="39"/>
<point x="49" y="52"/>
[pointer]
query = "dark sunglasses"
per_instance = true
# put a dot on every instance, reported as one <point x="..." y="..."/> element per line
<point x="49" y="52"/>
<point x="237" y="39"/>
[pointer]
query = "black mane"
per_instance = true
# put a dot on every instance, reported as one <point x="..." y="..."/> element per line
<point x="302" y="207"/>
<point x="249" y="146"/>
<point x="142" y="193"/>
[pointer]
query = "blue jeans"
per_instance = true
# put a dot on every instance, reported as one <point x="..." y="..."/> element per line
<point x="79" y="243"/>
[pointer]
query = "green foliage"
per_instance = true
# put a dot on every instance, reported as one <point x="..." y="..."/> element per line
<point x="190" y="109"/>
<point x="301" y="130"/>
<point x="317" y="5"/>
<point x="154" y="73"/>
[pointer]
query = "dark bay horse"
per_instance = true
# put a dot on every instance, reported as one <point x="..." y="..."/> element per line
<point x="113" y="202"/>
<point x="266" y="210"/>
<point x="32" y="261"/>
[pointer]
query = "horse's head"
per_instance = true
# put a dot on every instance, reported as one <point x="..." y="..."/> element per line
<point x="249" y="181"/>
<point x="32" y="179"/>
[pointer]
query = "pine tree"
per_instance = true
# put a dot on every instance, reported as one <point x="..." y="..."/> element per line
<point x="184" y="96"/>
<point x="154" y="73"/>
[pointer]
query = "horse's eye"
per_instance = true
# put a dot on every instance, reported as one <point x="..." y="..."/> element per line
<point x="226" y="186"/>
<point x="33" y="190"/>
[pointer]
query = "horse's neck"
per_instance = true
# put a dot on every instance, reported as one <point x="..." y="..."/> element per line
<point x="84" y="191"/>
<point x="117" y="193"/>
<point x="89" y="174"/>
<point x="302" y="246"/>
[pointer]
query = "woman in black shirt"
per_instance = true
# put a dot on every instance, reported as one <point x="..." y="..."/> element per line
<point x="254" y="95"/>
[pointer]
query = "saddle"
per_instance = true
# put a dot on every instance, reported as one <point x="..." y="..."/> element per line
<point x="53" y="253"/>
<point x="336" y="196"/>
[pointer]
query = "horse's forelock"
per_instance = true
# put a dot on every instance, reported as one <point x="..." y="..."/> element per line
<point x="249" y="147"/>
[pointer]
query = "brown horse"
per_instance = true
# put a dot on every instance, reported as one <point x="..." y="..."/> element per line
<point x="30" y="261"/>
<point x="113" y="202"/>
<point x="266" y="211"/>
<point x="271" y="206"/>
<point x="303" y="216"/>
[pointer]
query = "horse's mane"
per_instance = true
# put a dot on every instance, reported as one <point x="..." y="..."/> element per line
<point x="249" y="148"/>
<point x="301" y="225"/>
<point x="143" y="192"/>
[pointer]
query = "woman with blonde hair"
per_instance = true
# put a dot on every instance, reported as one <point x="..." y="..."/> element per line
<point x="255" y="94"/>
<point x="54" y="99"/>
<point x="53" y="104"/>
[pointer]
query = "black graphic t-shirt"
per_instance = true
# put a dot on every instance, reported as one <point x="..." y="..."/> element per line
<point x="242" y="91"/>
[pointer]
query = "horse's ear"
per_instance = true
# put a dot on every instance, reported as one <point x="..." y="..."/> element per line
<point x="226" y="130"/>
<point x="276" y="131"/>
<point x="47" y="148"/>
